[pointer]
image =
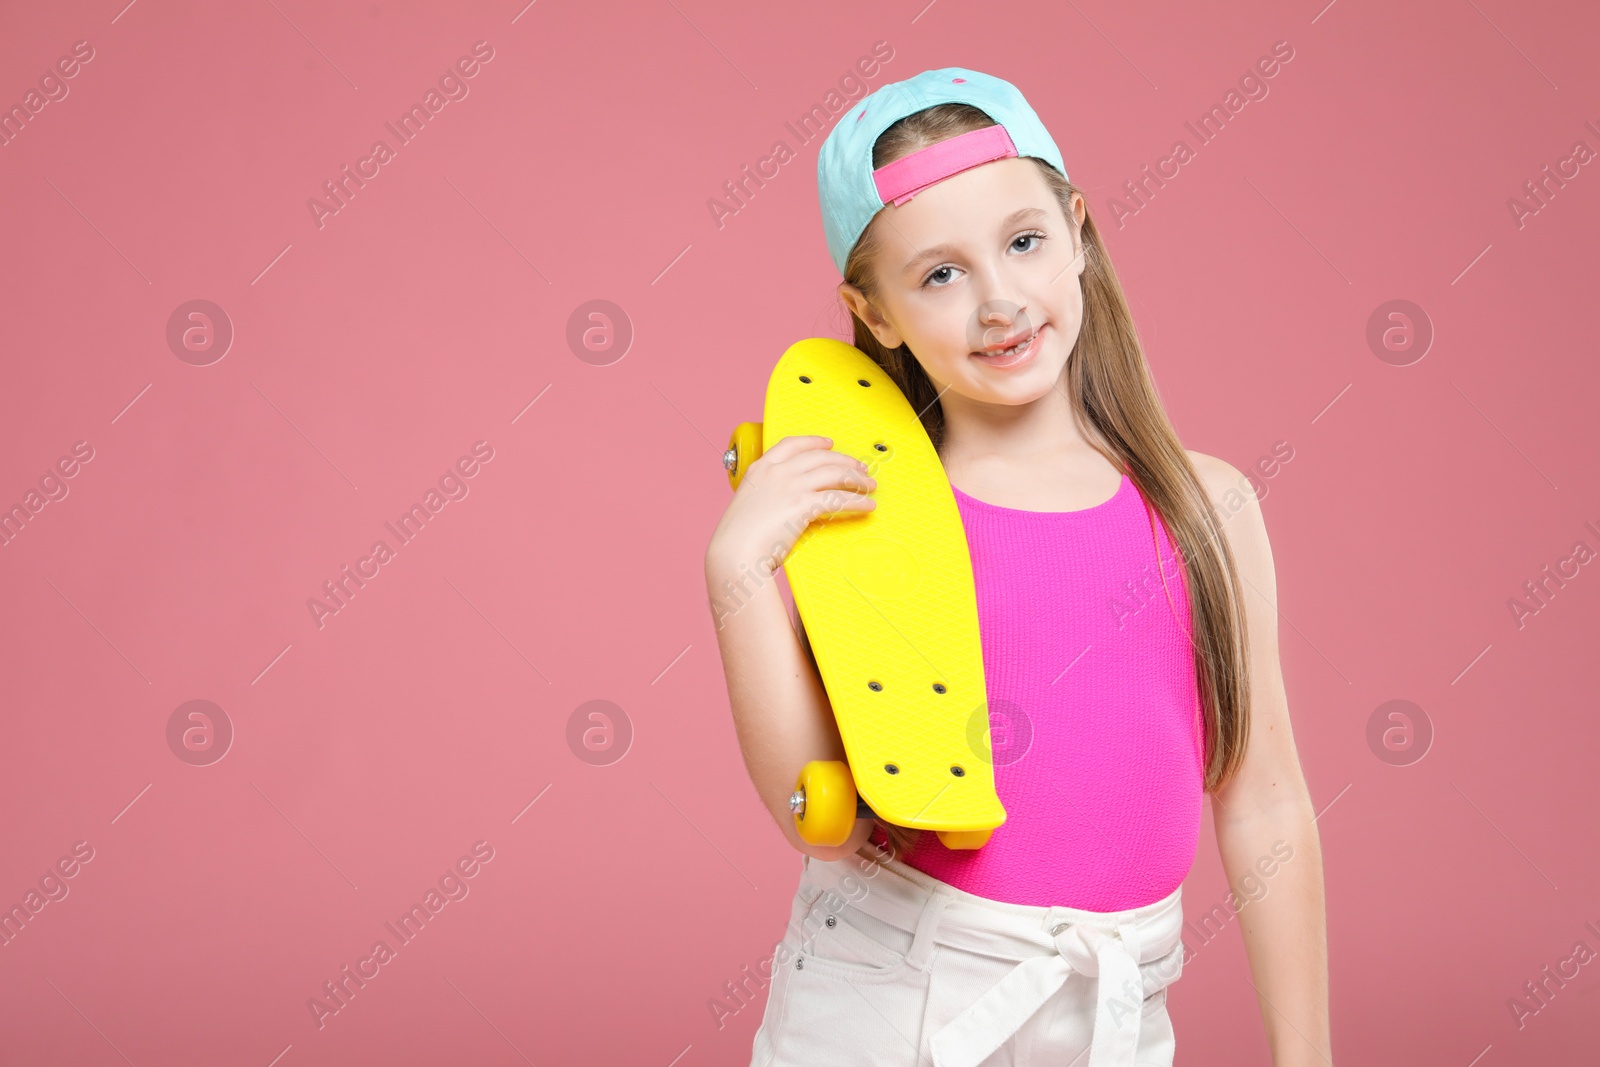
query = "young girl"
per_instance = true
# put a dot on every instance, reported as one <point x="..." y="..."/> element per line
<point x="1125" y="594"/>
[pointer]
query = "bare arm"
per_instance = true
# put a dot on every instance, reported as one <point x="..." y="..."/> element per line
<point x="1265" y="813"/>
<point x="780" y="708"/>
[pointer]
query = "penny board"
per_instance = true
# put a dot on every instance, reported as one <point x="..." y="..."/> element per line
<point x="887" y="597"/>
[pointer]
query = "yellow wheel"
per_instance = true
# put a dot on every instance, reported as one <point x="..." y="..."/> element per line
<point x="744" y="448"/>
<point x="824" y="803"/>
<point x="964" y="838"/>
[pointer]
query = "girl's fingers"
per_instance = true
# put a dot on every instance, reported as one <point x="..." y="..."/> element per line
<point x="829" y="475"/>
<point x="808" y="463"/>
<point x="810" y="449"/>
<point x="805" y="467"/>
<point x="795" y="443"/>
<point x="828" y="501"/>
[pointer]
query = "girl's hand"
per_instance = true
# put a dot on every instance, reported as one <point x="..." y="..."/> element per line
<point x="791" y="484"/>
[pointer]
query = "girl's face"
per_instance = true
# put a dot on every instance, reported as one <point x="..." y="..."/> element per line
<point x="979" y="261"/>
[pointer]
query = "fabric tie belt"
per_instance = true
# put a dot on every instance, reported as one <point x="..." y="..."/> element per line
<point x="1132" y="954"/>
<point x="1112" y="955"/>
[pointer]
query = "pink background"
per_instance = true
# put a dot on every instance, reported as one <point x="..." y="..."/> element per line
<point x="372" y="752"/>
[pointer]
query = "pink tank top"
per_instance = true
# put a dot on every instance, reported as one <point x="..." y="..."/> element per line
<point x="1094" y="708"/>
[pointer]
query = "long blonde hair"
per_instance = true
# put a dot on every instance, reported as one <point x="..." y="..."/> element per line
<point x="1114" y="402"/>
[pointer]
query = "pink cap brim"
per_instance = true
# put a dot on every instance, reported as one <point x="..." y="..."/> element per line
<point x="899" y="181"/>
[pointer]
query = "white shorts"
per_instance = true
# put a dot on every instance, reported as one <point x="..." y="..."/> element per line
<point x="882" y="964"/>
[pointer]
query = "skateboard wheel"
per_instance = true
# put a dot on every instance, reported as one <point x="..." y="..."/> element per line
<point x="964" y="838"/>
<point x="827" y="813"/>
<point x="744" y="448"/>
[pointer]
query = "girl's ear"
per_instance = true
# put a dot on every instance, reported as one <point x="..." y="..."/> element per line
<point x="857" y="302"/>
<point x="1075" y="215"/>
<point x="1080" y="211"/>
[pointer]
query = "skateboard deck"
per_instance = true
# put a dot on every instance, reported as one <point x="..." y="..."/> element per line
<point x="887" y="598"/>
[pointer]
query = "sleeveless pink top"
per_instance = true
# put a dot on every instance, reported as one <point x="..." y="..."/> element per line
<point x="1094" y="708"/>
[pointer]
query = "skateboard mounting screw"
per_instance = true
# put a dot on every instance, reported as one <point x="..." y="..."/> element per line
<point x="832" y="922"/>
<point x="881" y="447"/>
<point x="862" y="381"/>
<point x="805" y="378"/>
<point x="800" y="964"/>
<point x="958" y="771"/>
<point x="891" y="768"/>
<point x="876" y="687"/>
<point x="938" y="687"/>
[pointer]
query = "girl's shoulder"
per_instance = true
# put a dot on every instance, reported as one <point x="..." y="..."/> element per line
<point x="1218" y="477"/>
<point x="1237" y="501"/>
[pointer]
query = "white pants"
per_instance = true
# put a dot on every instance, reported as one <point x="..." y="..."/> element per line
<point x="882" y="964"/>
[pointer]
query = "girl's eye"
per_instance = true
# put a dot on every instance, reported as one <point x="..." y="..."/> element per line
<point x="1035" y="235"/>
<point x="942" y="273"/>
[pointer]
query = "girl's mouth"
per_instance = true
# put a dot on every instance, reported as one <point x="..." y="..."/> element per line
<point x="1015" y="355"/>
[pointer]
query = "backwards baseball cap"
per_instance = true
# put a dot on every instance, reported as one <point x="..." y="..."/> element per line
<point x="852" y="192"/>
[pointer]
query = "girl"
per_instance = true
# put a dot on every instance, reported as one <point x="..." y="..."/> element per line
<point x="1128" y="631"/>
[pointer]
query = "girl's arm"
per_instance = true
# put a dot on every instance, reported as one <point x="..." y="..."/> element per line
<point x="780" y="708"/>
<point x="1264" y="817"/>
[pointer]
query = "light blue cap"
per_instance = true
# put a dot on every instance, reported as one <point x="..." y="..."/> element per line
<point x="845" y="185"/>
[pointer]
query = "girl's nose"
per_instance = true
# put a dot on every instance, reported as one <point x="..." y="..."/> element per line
<point x="993" y="321"/>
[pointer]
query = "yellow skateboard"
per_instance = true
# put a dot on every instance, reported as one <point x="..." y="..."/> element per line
<point x="889" y="605"/>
